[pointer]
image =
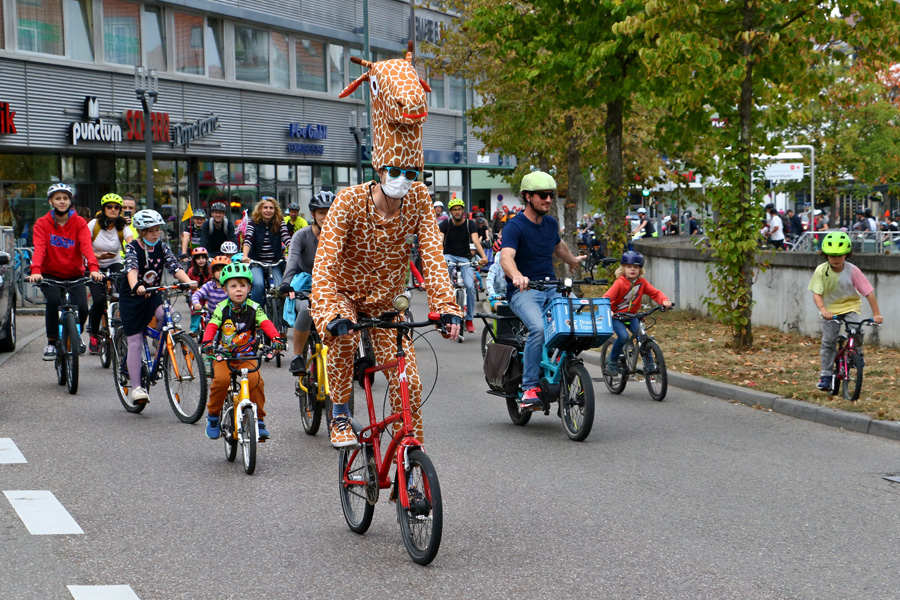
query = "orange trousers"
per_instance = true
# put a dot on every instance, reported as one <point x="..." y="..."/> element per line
<point x="222" y="380"/>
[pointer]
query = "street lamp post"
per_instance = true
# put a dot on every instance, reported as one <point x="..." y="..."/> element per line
<point x="146" y="88"/>
<point x="812" y="181"/>
<point x="359" y="131"/>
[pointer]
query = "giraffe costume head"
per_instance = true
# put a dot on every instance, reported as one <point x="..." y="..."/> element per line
<point x="399" y="110"/>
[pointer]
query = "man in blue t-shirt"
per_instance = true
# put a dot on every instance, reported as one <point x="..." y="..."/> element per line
<point x="530" y="241"/>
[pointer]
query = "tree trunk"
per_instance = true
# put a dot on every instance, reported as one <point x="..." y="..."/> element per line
<point x="742" y="332"/>
<point x="576" y="184"/>
<point x="615" y="203"/>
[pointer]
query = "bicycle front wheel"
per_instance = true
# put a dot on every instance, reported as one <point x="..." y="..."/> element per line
<point x="185" y="378"/>
<point x="852" y="385"/>
<point x="104" y="342"/>
<point x="655" y="375"/>
<point x="614" y="383"/>
<point x="577" y="402"/>
<point x="227" y="424"/>
<point x="59" y="363"/>
<point x="249" y="438"/>
<point x="310" y="408"/>
<point x="421" y="523"/>
<point x="352" y="479"/>
<point x="71" y="345"/>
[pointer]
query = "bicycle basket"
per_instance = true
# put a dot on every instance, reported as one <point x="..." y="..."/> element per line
<point x="503" y="368"/>
<point x="576" y="324"/>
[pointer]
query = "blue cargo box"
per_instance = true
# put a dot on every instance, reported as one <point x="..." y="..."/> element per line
<point x="590" y="327"/>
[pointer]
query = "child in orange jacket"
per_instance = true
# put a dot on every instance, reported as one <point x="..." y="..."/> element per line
<point x="625" y="296"/>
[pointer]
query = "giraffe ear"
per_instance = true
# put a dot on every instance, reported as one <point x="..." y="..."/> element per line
<point x="355" y="84"/>
<point x="425" y="85"/>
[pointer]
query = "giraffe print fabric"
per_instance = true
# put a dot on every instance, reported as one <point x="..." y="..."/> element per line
<point x="361" y="266"/>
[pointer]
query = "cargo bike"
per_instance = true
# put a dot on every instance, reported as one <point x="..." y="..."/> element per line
<point x="571" y="326"/>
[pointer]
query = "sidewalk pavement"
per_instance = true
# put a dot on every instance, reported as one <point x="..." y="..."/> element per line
<point x="799" y="409"/>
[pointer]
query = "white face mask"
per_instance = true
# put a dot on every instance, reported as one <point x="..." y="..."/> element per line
<point x="396" y="187"/>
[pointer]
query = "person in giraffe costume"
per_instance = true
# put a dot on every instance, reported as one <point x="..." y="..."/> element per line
<point x="363" y="250"/>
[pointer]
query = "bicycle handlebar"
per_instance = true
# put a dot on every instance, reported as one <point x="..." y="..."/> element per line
<point x="256" y="263"/>
<point x="624" y="315"/>
<point x="385" y="322"/>
<point x="175" y="286"/>
<point x="263" y="352"/>
<point x="562" y="284"/>
<point x="64" y="284"/>
<point x="843" y="319"/>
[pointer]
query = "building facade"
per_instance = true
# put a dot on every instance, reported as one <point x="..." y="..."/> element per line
<point x="247" y="103"/>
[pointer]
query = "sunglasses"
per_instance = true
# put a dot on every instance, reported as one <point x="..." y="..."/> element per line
<point x="113" y="206"/>
<point x="396" y="172"/>
<point x="545" y="195"/>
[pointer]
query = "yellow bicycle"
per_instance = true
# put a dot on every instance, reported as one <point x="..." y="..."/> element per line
<point x="312" y="387"/>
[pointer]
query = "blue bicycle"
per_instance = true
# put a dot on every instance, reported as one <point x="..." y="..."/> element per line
<point x="572" y="326"/>
<point x="177" y="361"/>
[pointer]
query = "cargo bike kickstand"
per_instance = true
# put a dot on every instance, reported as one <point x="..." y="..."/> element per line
<point x="571" y="325"/>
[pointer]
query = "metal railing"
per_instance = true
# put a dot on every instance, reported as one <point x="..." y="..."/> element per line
<point x="863" y="242"/>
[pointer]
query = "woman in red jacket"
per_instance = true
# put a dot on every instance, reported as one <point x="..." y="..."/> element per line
<point x="62" y="246"/>
<point x="625" y="297"/>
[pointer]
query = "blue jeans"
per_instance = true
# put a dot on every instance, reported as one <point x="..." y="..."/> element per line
<point x="621" y="332"/>
<point x="258" y="290"/>
<point x="468" y="273"/>
<point x="529" y="307"/>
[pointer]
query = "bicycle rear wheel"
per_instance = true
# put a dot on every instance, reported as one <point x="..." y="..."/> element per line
<point x="352" y="465"/>
<point x="516" y="415"/>
<point x="852" y="385"/>
<point x="185" y="379"/>
<point x="120" y="371"/>
<point x="421" y="523"/>
<point x="249" y="438"/>
<point x="486" y="340"/>
<point x="71" y="345"/>
<point x="614" y="383"/>
<point x="655" y="375"/>
<point x="274" y="314"/>
<point x="577" y="400"/>
<point x="104" y="341"/>
<point x="310" y="408"/>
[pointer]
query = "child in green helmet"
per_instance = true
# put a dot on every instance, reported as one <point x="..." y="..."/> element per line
<point x="836" y="287"/>
<point x="234" y="326"/>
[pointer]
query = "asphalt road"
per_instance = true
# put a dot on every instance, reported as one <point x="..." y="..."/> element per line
<point x="690" y="498"/>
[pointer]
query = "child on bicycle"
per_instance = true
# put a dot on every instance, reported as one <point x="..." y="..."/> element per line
<point x="837" y="286"/>
<point x="496" y="283"/>
<point x="625" y="296"/>
<point x="199" y="270"/>
<point x="210" y="294"/>
<point x="145" y="258"/>
<point x="234" y="326"/>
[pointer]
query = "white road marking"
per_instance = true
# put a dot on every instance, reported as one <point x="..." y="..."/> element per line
<point x="42" y="513"/>
<point x="9" y="452"/>
<point x="102" y="592"/>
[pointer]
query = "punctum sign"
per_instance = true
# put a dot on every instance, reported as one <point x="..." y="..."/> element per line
<point x="183" y="135"/>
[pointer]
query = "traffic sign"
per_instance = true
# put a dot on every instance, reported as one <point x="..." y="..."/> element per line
<point x="784" y="172"/>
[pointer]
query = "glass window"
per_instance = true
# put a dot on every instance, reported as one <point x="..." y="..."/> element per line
<point x="304" y="174"/>
<point x="154" y="38"/>
<point x="236" y="173"/>
<point x="281" y="76"/>
<point x="335" y="69"/>
<point x="355" y="71"/>
<point x="440" y="178"/>
<point x="182" y="171"/>
<point x="251" y="54"/>
<point x="163" y="171"/>
<point x="214" y="49"/>
<point x="80" y="29"/>
<point x="40" y="26"/>
<point x="250" y="173"/>
<point x="310" y="65"/>
<point x="76" y="170"/>
<point x="189" y="44"/>
<point x="437" y="91"/>
<point x="267" y="175"/>
<point x="2" y="36"/>
<point x="342" y="175"/>
<point x="457" y="93"/>
<point x="323" y="178"/>
<point x="286" y="174"/>
<point x="121" y="32"/>
<point x="456" y="178"/>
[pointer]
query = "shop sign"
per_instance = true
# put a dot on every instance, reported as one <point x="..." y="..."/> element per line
<point x="92" y="128"/>
<point x="134" y="125"/>
<point x="7" y="125"/>
<point x="183" y="135"/>
<point x="309" y="132"/>
<point x="429" y="30"/>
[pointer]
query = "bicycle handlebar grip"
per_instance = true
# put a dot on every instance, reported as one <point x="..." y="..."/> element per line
<point x="339" y="327"/>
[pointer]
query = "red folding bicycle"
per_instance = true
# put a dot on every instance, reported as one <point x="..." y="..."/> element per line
<point x="364" y="471"/>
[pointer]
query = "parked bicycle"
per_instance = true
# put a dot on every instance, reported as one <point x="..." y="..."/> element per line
<point x="847" y="373"/>
<point x="364" y="471"/>
<point x="652" y="365"/>
<point x="572" y="326"/>
<point x="176" y="360"/>
<point x="240" y="422"/>
<point x="68" y="342"/>
<point x="274" y="303"/>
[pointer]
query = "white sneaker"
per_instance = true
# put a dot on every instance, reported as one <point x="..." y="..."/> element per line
<point x="139" y="396"/>
<point x="50" y="352"/>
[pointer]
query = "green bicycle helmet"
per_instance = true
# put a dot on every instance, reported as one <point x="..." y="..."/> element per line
<point x="456" y="202"/>
<point x="538" y="181"/>
<point x="235" y="271"/>
<point x="836" y="243"/>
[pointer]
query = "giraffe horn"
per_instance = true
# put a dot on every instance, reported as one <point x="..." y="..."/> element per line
<point x="410" y="50"/>
<point x="355" y="84"/>
<point x="360" y="61"/>
<point x="425" y="85"/>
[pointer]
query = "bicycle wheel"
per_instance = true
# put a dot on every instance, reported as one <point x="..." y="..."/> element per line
<point x="186" y="389"/>
<point x="249" y="438"/>
<point x="71" y="344"/>
<point x="577" y="400"/>
<point x="104" y="341"/>
<point x="59" y="363"/>
<point x="614" y="383"/>
<point x="421" y="523"/>
<point x="853" y="383"/>
<point x="460" y="297"/>
<point x="310" y="408"/>
<point x="516" y="415"/>
<point x="275" y="316"/>
<point x="655" y="375"/>
<point x="227" y="426"/>
<point x="486" y="340"/>
<point x="120" y="371"/>
<point x="352" y="465"/>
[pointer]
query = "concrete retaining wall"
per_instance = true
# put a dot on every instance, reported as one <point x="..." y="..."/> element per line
<point x="780" y="292"/>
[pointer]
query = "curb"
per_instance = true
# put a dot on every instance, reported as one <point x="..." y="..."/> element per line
<point x="798" y="409"/>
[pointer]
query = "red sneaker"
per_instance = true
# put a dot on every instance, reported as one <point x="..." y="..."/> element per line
<point x="470" y="326"/>
<point x="530" y="398"/>
<point x="94" y="345"/>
